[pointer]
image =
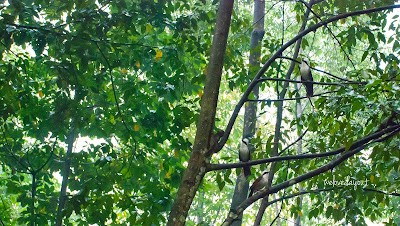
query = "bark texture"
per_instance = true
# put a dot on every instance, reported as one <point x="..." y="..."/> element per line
<point x="197" y="163"/>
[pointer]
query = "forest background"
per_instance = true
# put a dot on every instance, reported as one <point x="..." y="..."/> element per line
<point x="117" y="112"/>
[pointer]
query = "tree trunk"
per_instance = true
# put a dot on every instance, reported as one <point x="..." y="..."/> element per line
<point x="33" y="191"/>
<point x="197" y="163"/>
<point x="64" y="184"/>
<point x="250" y="115"/>
<point x="277" y="135"/>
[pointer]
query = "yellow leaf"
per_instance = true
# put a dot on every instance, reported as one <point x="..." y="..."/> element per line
<point x="161" y="165"/>
<point x="259" y="133"/>
<point x="137" y="64"/>
<point x="205" y="71"/>
<point x="176" y="153"/>
<point x="41" y="94"/>
<point x="336" y="206"/>
<point x="168" y="175"/>
<point x="300" y="213"/>
<point x="200" y="93"/>
<point x="372" y="178"/>
<point x="228" y="51"/>
<point x="19" y="104"/>
<point x="112" y="120"/>
<point x="148" y="28"/>
<point x="159" y="54"/>
<point x="137" y="127"/>
<point x="124" y="71"/>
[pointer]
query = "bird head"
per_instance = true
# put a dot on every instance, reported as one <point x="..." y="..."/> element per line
<point x="245" y="141"/>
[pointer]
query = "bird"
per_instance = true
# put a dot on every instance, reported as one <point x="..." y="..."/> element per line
<point x="306" y="76"/>
<point x="259" y="183"/>
<point x="244" y="156"/>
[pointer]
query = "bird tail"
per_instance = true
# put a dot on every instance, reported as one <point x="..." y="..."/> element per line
<point x="246" y="171"/>
<point x="311" y="102"/>
<point x="309" y="89"/>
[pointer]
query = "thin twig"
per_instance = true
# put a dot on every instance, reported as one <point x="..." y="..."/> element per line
<point x="298" y="139"/>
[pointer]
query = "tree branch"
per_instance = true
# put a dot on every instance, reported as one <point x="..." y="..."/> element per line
<point x="383" y="192"/>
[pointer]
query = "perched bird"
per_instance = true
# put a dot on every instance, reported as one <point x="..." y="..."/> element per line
<point x="306" y="76"/>
<point x="244" y="156"/>
<point x="259" y="183"/>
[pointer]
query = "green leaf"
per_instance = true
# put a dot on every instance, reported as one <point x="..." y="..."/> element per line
<point x="365" y="54"/>
<point x="220" y="182"/>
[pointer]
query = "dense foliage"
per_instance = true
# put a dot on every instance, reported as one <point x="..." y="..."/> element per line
<point x="127" y="77"/>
